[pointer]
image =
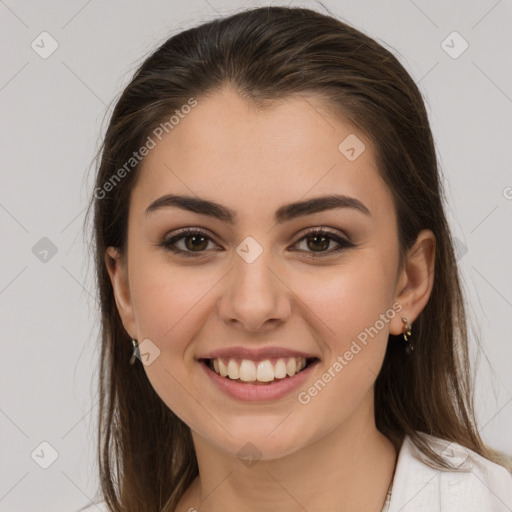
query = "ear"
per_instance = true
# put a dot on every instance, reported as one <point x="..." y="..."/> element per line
<point x="416" y="280"/>
<point x="118" y="272"/>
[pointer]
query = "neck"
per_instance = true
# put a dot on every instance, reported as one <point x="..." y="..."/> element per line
<point x="349" y="469"/>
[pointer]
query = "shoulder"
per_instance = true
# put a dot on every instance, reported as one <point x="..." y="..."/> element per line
<point x="474" y="483"/>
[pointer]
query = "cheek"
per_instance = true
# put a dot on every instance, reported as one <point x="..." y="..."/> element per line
<point x="167" y="299"/>
<point x="169" y="304"/>
<point x="345" y="302"/>
<point x="351" y="312"/>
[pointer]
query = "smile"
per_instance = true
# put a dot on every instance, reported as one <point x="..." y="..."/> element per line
<point x="258" y="380"/>
<point x="264" y="371"/>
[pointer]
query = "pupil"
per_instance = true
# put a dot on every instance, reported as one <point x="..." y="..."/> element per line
<point x="195" y="238"/>
<point x="324" y="245"/>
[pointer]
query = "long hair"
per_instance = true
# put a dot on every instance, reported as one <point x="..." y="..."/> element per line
<point x="145" y="452"/>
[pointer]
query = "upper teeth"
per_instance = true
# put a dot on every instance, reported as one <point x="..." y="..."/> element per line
<point x="263" y="371"/>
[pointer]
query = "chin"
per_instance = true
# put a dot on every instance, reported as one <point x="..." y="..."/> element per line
<point x="261" y="440"/>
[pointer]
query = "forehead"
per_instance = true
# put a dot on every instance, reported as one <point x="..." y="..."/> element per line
<point x="243" y="156"/>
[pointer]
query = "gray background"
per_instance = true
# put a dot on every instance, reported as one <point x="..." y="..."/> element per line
<point x="53" y="113"/>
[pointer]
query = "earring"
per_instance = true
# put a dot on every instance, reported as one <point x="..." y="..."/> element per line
<point x="407" y="332"/>
<point x="135" y="352"/>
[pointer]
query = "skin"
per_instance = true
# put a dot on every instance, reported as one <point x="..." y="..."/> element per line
<point x="328" y="454"/>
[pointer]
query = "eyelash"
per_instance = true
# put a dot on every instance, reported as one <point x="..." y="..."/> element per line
<point x="169" y="243"/>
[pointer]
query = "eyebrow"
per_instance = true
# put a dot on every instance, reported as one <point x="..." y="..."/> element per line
<point x="283" y="214"/>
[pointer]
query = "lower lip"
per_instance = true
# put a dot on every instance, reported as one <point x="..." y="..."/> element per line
<point x="258" y="392"/>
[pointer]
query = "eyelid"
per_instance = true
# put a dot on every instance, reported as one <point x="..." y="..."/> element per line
<point x="191" y="231"/>
<point x="169" y="241"/>
<point x="340" y="238"/>
<point x="328" y="231"/>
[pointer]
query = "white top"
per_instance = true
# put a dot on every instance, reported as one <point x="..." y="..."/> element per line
<point x="483" y="486"/>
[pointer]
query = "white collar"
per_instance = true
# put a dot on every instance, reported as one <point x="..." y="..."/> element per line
<point x="479" y="485"/>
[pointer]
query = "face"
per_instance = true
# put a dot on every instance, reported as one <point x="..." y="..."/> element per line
<point x="254" y="287"/>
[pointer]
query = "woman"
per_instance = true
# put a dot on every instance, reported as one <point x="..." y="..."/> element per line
<point x="271" y="244"/>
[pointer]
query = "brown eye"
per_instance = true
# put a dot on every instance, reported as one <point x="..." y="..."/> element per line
<point x="319" y="241"/>
<point x="195" y="242"/>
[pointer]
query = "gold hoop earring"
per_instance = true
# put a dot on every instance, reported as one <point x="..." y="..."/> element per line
<point x="407" y="332"/>
<point x="135" y="352"/>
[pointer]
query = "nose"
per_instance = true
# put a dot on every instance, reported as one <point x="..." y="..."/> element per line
<point x="255" y="297"/>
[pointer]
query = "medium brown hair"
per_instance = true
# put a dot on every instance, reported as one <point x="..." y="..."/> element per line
<point x="146" y="454"/>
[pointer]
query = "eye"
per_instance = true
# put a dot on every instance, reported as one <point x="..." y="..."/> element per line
<point x="195" y="242"/>
<point x="321" y="239"/>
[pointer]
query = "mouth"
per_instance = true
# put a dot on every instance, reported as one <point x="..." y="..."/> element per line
<point x="265" y="371"/>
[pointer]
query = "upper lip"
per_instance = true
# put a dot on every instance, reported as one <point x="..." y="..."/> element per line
<point x="255" y="353"/>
